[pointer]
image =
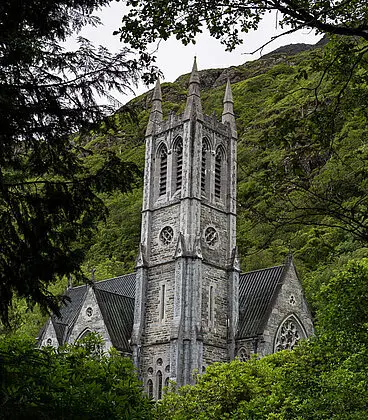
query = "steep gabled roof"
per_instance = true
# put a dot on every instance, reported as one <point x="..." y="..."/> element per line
<point x="115" y="297"/>
<point x="69" y="312"/>
<point x="117" y="312"/>
<point x="257" y="290"/>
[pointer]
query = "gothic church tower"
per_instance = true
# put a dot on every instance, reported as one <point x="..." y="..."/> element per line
<point x="186" y="301"/>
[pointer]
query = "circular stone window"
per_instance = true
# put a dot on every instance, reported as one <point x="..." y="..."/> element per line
<point x="89" y="311"/>
<point x="49" y="342"/>
<point x="150" y="371"/>
<point x="166" y="235"/>
<point x="211" y="236"/>
<point x="159" y="361"/>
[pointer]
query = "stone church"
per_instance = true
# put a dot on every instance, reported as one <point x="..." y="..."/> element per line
<point x="187" y="305"/>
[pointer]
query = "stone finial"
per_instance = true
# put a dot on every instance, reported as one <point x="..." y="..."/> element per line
<point x="228" y="112"/>
<point x="289" y="259"/>
<point x="235" y="264"/>
<point x="70" y="282"/>
<point x="198" y="248"/>
<point x="141" y="257"/>
<point x="156" y="110"/>
<point x="180" y="250"/>
<point x="194" y="105"/>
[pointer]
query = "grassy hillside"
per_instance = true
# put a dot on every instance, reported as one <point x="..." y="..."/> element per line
<point x="283" y="139"/>
<point x="301" y="163"/>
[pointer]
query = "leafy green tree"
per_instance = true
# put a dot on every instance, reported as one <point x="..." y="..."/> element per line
<point x="77" y="381"/>
<point x="235" y="390"/>
<point x="48" y="195"/>
<point x="148" y="21"/>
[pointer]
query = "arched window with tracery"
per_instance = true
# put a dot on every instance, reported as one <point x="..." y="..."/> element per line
<point x="178" y="164"/>
<point x="243" y="355"/>
<point x="150" y="388"/>
<point x="289" y="333"/>
<point x="219" y="171"/>
<point x="162" y="155"/>
<point x="159" y="384"/>
<point x="205" y="166"/>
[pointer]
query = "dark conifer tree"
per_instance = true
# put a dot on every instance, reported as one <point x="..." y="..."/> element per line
<point x="48" y="201"/>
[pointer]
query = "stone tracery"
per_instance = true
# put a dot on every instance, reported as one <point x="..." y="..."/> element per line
<point x="289" y="334"/>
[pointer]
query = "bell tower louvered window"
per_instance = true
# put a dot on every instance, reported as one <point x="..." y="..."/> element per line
<point x="218" y="170"/>
<point x="204" y="167"/>
<point x="163" y="170"/>
<point x="179" y="164"/>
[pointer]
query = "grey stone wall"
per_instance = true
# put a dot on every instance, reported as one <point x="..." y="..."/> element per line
<point x="93" y="322"/>
<point x="49" y="336"/>
<point x="290" y="301"/>
<point x="158" y="330"/>
<point x="214" y="333"/>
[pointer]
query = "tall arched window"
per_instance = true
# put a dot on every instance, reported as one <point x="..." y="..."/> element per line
<point x="150" y="388"/>
<point x="159" y="384"/>
<point x="163" y="169"/>
<point x="178" y="150"/>
<point x="219" y="171"/>
<point x="204" y="166"/>
<point x="167" y="382"/>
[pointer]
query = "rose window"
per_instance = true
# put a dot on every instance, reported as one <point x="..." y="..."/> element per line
<point x="288" y="336"/>
<point x="89" y="311"/>
<point x="166" y="235"/>
<point x="211" y="236"/>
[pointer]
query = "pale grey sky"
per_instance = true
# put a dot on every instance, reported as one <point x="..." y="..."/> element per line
<point x="174" y="59"/>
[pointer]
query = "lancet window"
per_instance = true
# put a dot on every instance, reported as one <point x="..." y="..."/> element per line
<point x="159" y="384"/>
<point x="178" y="149"/>
<point x="150" y="388"/>
<point x="163" y="169"/>
<point x="204" y="166"/>
<point x="219" y="171"/>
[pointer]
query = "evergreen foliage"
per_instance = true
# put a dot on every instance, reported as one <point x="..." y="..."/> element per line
<point x="48" y="193"/>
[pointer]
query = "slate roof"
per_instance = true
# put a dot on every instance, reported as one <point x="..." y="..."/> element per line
<point x="115" y="298"/>
<point x="122" y="285"/>
<point x="69" y="312"/>
<point x="117" y="312"/>
<point x="257" y="290"/>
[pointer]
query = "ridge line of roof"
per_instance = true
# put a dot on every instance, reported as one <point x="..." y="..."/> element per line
<point x="113" y="278"/>
<point x="113" y="293"/>
<point x="262" y="269"/>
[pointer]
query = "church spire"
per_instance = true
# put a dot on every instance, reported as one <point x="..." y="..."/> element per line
<point x="156" y="110"/>
<point x="194" y="105"/>
<point x="228" y="113"/>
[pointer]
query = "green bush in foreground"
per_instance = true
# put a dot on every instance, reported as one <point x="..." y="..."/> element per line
<point x="75" y="382"/>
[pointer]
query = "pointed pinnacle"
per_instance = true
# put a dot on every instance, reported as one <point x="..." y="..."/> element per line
<point x="157" y="96"/>
<point x="193" y="106"/>
<point x="228" y="93"/>
<point x="194" y="76"/>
